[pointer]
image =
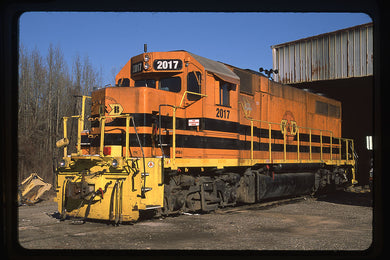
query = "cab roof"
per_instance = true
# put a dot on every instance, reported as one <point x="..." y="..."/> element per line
<point x="217" y="68"/>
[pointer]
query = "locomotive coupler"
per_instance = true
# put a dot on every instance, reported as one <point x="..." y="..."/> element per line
<point x="79" y="190"/>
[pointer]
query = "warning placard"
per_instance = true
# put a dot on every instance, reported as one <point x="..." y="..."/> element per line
<point x="193" y="122"/>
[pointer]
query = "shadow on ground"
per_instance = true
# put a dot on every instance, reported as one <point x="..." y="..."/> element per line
<point x="355" y="197"/>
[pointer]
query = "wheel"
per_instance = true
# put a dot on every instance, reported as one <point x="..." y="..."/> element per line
<point x="193" y="201"/>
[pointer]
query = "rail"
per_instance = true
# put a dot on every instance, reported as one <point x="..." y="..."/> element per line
<point x="295" y="130"/>
<point x="80" y="128"/>
<point x="174" y="108"/>
<point x="102" y="120"/>
<point x="102" y="130"/>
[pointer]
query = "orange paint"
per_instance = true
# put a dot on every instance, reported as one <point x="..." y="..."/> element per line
<point x="224" y="125"/>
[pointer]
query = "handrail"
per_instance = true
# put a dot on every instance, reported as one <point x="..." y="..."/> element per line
<point x="102" y="120"/>
<point x="81" y="123"/>
<point x="80" y="126"/>
<point x="298" y="141"/>
<point x="174" y="108"/>
<point x="65" y="119"/>
<point x="78" y="144"/>
<point x="189" y="92"/>
<point x="174" y="121"/>
<point x="269" y="135"/>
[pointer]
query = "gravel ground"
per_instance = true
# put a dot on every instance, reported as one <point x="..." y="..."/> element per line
<point x="341" y="221"/>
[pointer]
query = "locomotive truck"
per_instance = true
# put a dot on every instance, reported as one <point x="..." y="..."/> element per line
<point x="182" y="133"/>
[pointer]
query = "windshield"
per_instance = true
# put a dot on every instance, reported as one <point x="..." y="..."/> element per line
<point x="172" y="84"/>
<point x="150" y="83"/>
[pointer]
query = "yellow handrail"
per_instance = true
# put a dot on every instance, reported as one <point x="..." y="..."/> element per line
<point x="102" y="120"/>
<point x="310" y="150"/>
<point x="189" y="92"/>
<point x="127" y="136"/>
<point x="78" y="144"/>
<point x="65" y="135"/>
<point x="174" y="122"/>
<point x="80" y="126"/>
<point x="102" y="129"/>
<point x="269" y="142"/>
<point x="298" y="141"/>
<point x="269" y="134"/>
<point x="340" y="148"/>
<point x="331" y="148"/>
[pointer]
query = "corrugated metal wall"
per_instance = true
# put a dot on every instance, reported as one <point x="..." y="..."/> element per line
<point x="336" y="55"/>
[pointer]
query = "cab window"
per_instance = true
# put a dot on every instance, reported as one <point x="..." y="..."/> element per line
<point x="194" y="85"/>
<point x="224" y="93"/>
<point x="172" y="84"/>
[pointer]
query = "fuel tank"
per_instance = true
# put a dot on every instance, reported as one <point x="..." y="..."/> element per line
<point x="259" y="185"/>
<point x="283" y="184"/>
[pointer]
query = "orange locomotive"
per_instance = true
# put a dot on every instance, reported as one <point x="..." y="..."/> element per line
<point x="214" y="134"/>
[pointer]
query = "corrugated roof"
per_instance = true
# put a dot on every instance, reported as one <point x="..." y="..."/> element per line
<point x="322" y="35"/>
<point x="339" y="54"/>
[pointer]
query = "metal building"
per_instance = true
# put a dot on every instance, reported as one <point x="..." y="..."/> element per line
<point x="340" y="54"/>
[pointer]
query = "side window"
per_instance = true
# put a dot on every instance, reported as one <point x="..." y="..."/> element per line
<point x="224" y="93"/>
<point x="334" y="111"/>
<point x="170" y="84"/>
<point x="194" y="82"/>
<point x="327" y="109"/>
<point x="321" y="108"/>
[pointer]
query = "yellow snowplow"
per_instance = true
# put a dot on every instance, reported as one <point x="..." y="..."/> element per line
<point x="31" y="189"/>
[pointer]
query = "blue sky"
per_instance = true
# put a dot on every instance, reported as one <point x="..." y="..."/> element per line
<point x="110" y="39"/>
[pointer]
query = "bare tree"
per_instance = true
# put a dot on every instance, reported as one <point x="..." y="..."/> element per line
<point x="46" y="94"/>
<point x="31" y="82"/>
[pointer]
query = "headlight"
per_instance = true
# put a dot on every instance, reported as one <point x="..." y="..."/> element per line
<point x="62" y="163"/>
<point x="114" y="163"/>
<point x="146" y="66"/>
<point x="146" y="58"/>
